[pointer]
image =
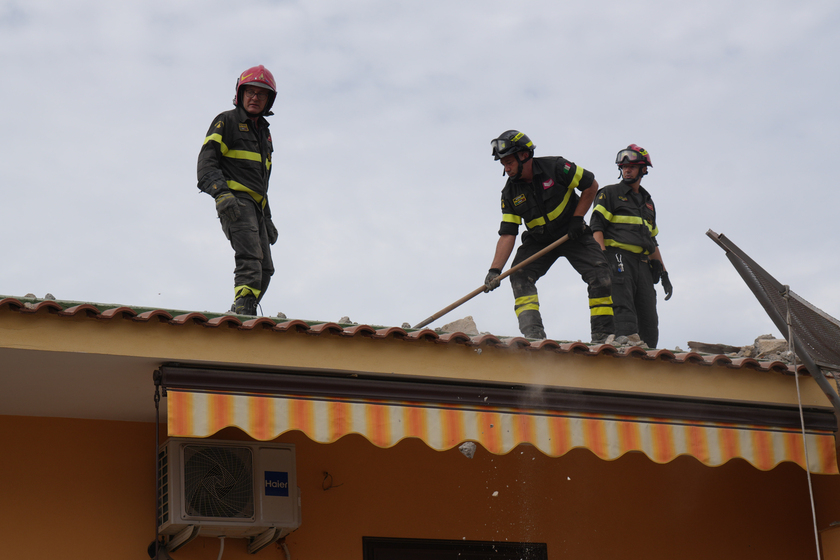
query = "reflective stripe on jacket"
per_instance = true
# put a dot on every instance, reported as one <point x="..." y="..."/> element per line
<point x="546" y="203"/>
<point x="241" y="150"/>
<point x="625" y="223"/>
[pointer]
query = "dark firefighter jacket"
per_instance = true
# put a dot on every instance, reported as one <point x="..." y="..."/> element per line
<point x="236" y="152"/>
<point x="547" y="203"/>
<point x="628" y="223"/>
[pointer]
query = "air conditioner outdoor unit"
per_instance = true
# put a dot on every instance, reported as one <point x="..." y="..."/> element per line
<point x="227" y="488"/>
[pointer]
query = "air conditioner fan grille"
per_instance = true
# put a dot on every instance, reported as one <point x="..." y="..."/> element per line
<point x="218" y="482"/>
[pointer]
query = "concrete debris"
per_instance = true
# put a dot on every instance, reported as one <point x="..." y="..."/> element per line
<point x="346" y="321"/>
<point x="629" y="340"/>
<point x="766" y="348"/>
<point x="465" y="325"/>
<point x="468" y="449"/>
<point x="766" y="345"/>
<point x="706" y="348"/>
<point x="33" y="296"/>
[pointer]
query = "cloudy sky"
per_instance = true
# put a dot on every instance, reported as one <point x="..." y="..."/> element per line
<point x="383" y="189"/>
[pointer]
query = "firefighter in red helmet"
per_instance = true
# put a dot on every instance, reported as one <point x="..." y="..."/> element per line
<point x="624" y="224"/>
<point x="234" y="165"/>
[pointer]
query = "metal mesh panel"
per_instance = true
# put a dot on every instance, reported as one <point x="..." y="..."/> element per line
<point x="816" y="330"/>
<point x="814" y="333"/>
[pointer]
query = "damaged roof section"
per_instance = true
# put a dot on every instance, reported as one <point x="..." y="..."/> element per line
<point x="106" y="312"/>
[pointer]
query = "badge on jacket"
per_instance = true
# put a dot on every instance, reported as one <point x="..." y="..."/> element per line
<point x="243" y="127"/>
<point x="548" y="184"/>
<point x="519" y="200"/>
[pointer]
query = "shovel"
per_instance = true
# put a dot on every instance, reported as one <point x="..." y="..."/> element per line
<point x="501" y="277"/>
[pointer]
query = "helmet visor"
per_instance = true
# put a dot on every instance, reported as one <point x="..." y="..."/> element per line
<point x="499" y="146"/>
<point x="630" y="157"/>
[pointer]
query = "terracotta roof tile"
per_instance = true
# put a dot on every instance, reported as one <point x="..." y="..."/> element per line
<point x="330" y="328"/>
<point x="362" y="330"/>
<point x="456" y="338"/>
<point x="49" y="306"/>
<point x="158" y="314"/>
<point x="296" y="324"/>
<point x="228" y="320"/>
<point x="187" y="319"/>
<point x="396" y="332"/>
<point x="124" y="312"/>
<point x="86" y="308"/>
<point x="195" y="317"/>
<point x="422" y="334"/>
<point x="264" y="322"/>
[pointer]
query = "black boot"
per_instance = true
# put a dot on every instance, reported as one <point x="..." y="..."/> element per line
<point x="245" y="305"/>
<point x="530" y="324"/>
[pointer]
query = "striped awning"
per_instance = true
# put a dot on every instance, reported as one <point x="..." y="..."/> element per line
<point x="499" y="430"/>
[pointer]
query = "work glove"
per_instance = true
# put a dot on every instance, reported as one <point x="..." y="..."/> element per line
<point x="576" y="227"/>
<point x="666" y="283"/>
<point x="227" y="206"/>
<point x="270" y="230"/>
<point x="655" y="270"/>
<point x="491" y="281"/>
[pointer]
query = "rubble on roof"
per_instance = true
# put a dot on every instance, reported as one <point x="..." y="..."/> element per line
<point x="765" y="348"/>
<point x="766" y="354"/>
<point x="465" y="325"/>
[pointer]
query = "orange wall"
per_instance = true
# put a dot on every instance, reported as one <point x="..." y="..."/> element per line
<point x="85" y="489"/>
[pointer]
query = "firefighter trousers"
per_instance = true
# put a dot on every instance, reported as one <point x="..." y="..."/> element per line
<point x="252" y="251"/>
<point x="634" y="297"/>
<point x="586" y="257"/>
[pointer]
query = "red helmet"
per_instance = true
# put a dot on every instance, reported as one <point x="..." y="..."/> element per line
<point x="258" y="76"/>
<point x="633" y="155"/>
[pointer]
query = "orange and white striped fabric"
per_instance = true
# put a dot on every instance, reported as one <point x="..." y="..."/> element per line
<point x="499" y="430"/>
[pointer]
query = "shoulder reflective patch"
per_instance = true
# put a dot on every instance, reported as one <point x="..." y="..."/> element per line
<point x="602" y="197"/>
<point x="649" y="205"/>
<point x="503" y="205"/>
<point x="548" y="184"/>
<point x="243" y="127"/>
<point x="220" y="124"/>
<point x="519" y="200"/>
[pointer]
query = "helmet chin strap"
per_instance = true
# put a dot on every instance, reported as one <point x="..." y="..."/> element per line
<point x="642" y="172"/>
<point x="519" y="166"/>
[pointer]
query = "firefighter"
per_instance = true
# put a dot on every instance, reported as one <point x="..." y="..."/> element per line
<point x="234" y="165"/>
<point x="624" y="225"/>
<point x="542" y="193"/>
